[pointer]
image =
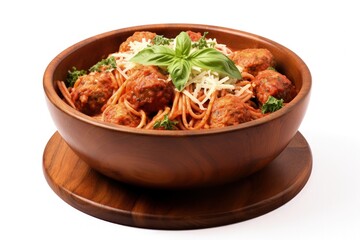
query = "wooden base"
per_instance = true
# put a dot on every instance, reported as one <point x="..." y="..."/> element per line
<point x="99" y="196"/>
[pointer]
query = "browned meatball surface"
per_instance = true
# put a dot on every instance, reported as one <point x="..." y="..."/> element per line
<point x="120" y="115"/>
<point x="136" y="37"/>
<point x="194" y="36"/>
<point x="149" y="90"/>
<point x="230" y="110"/>
<point x="91" y="92"/>
<point x="253" y="60"/>
<point x="271" y="83"/>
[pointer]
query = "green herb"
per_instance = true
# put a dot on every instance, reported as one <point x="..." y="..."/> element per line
<point x="166" y="123"/>
<point x="180" y="60"/>
<point x="272" y="104"/>
<point x="202" y="43"/>
<point x="73" y="75"/>
<point x="160" y="40"/>
<point x="271" y="68"/>
<point x="107" y="64"/>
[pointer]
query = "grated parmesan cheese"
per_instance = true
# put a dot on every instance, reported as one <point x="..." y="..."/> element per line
<point x="122" y="58"/>
<point x="243" y="89"/>
<point x="209" y="82"/>
<point x="204" y="80"/>
<point x="136" y="47"/>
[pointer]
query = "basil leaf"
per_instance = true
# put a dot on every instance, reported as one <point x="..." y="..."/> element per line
<point x="180" y="60"/>
<point x="211" y="59"/>
<point x="155" y="55"/>
<point x="183" y="45"/>
<point x="179" y="72"/>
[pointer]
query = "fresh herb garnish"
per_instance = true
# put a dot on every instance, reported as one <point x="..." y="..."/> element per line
<point x="271" y="68"/>
<point x="166" y="123"/>
<point x="161" y="40"/>
<point x="73" y="75"/>
<point x="180" y="60"/>
<point x="202" y="43"/>
<point x="272" y="104"/>
<point x="107" y="64"/>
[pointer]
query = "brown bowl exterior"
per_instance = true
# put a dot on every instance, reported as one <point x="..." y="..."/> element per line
<point x="176" y="159"/>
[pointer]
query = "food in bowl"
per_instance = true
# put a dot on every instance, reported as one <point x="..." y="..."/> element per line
<point x="159" y="158"/>
<point x="188" y="82"/>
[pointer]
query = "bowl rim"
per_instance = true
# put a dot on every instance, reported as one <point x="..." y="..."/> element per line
<point x="54" y="98"/>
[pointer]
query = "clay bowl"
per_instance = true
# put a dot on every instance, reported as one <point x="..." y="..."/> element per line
<point x="176" y="159"/>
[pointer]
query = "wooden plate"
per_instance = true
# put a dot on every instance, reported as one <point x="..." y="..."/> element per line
<point x="99" y="196"/>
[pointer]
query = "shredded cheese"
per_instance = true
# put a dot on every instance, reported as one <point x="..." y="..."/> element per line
<point x="204" y="80"/>
<point x="136" y="47"/>
<point x="209" y="82"/>
<point x="243" y="89"/>
<point x="122" y="58"/>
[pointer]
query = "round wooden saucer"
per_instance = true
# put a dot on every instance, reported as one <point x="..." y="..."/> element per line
<point x="99" y="196"/>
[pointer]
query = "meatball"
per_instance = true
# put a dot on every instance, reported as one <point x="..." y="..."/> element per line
<point x="231" y="110"/>
<point x="253" y="60"/>
<point x="138" y="37"/>
<point x="120" y="115"/>
<point x="271" y="83"/>
<point x="149" y="90"/>
<point x="91" y="92"/>
<point x="194" y="36"/>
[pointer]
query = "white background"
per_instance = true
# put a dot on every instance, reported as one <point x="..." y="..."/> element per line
<point x="325" y="34"/>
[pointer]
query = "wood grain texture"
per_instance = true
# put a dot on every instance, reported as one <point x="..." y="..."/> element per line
<point x="99" y="196"/>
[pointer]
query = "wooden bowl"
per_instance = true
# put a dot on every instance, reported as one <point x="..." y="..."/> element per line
<point x="176" y="159"/>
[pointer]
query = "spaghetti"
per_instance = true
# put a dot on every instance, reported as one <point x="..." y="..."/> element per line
<point x="142" y="96"/>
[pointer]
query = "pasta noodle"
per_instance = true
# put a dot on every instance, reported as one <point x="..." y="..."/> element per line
<point x="192" y="108"/>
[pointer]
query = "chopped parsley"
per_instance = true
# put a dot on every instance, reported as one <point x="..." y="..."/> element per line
<point x="107" y="64"/>
<point x="73" y="75"/>
<point x="166" y="123"/>
<point x="272" y="104"/>
<point x="202" y="43"/>
<point x="161" y="40"/>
